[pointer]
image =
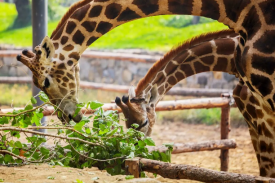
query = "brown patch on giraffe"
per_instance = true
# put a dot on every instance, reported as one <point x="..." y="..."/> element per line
<point x="266" y="159"/>
<point x="70" y="63"/>
<point x="252" y="23"/>
<point x="72" y="85"/>
<point x="266" y="132"/>
<point x="56" y="45"/>
<point x="58" y="33"/>
<point x="272" y="175"/>
<point x="183" y="58"/>
<point x="80" y="13"/>
<point x="166" y="85"/>
<point x="161" y="90"/>
<point x="147" y="6"/>
<point x="233" y="9"/>
<point x="252" y="110"/>
<point x="270" y="122"/>
<point x="210" y="8"/>
<point x="265" y="64"/>
<point x="179" y="76"/>
<point x="64" y="40"/>
<point x="95" y="11"/>
<point x="170" y="68"/>
<point x="68" y="47"/>
<point x="228" y="50"/>
<point x="268" y="11"/>
<point x="58" y="80"/>
<point x="172" y="80"/>
<point x="112" y="10"/>
<point x="264" y="147"/>
<point x="74" y="55"/>
<point x="266" y="44"/>
<point x="55" y="55"/>
<point x="254" y="100"/>
<point x="239" y="103"/>
<point x="262" y="83"/>
<point x="200" y="67"/>
<point x="127" y="15"/>
<point x="91" y="40"/>
<point x="187" y="69"/>
<point x="255" y="143"/>
<point x="104" y="27"/>
<point x="208" y="60"/>
<point x="180" y="7"/>
<point x="247" y="116"/>
<point x="259" y="113"/>
<point x="159" y="78"/>
<point x="65" y="79"/>
<point x="42" y="68"/>
<point x="63" y="91"/>
<point x="59" y="72"/>
<point x="61" y="57"/>
<point x="221" y="64"/>
<point x="64" y="84"/>
<point x="205" y="49"/>
<point x="70" y="76"/>
<point x="78" y="37"/>
<point x="237" y="90"/>
<point x="101" y="0"/>
<point x="89" y="25"/>
<point x="61" y="66"/>
<point x="70" y="27"/>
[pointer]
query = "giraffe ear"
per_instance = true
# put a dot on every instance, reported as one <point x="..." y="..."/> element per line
<point x="154" y="94"/>
<point x="132" y="92"/>
<point x="47" y="48"/>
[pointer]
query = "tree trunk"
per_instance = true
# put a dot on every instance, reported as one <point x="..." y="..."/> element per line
<point x="23" y="18"/>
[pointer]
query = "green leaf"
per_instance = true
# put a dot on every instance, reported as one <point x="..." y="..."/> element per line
<point x="128" y="177"/>
<point x="4" y="120"/>
<point x="131" y="155"/>
<point x="143" y="175"/>
<point x="44" y="151"/>
<point x="18" y="144"/>
<point x="149" y="141"/>
<point x="164" y="157"/>
<point x="79" y="126"/>
<point x="169" y="146"/>
<point x="36" y="119"/>
<point x="141" y="143"/>
<point x="33" y="100"/>
<point x="2" y="180"/>
<point x="28" y="107"/>
<point x="94" y="105"/>
<point x="135" y="126"/>
<point x="79" y="181"/>
<point x="51" y="177"/>
<point x="43" y="97"/>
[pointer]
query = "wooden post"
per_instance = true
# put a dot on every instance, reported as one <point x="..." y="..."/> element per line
<point x="132" y="167"/>
<point x="225" y="129"/>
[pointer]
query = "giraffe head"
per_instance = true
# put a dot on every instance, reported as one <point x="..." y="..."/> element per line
<point x="139" y="109"/>
<point x="58" y="79"/>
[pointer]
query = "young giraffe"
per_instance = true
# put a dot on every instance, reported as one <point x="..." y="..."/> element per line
<point x="209" y="52"/>
<point x="186" y="60"/>
<point x="55" y="64"/>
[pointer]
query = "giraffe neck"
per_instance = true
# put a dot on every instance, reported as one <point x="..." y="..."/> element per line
<point x="94" y="19"/>
<point x="210" y="52"/>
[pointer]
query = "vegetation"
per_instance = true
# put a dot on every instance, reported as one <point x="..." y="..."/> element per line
<point x="97" y="140"/>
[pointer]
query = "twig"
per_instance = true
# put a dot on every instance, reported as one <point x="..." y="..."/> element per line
<point x="50" y="135"/>
<point x="10" y="153"/>
<point x="94" y="158"/>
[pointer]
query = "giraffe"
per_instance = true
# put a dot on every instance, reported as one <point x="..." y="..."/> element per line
<point x="55" y="63"/>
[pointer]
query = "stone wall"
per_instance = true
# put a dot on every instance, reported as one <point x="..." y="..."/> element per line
<point x="122" y="72"/>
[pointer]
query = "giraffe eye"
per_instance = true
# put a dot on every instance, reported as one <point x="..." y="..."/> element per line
<point x="46" y="83"/>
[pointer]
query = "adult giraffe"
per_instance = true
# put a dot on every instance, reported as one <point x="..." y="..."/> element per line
<point x="212" y="52"/>
<point x="55" y="64"/>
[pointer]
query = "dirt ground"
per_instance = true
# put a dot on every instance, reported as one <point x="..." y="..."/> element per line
<point x="242" y="159"/>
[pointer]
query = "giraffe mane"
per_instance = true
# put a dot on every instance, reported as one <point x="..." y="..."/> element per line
<point x="142" y="84"/>
<point x="67" y="15"/>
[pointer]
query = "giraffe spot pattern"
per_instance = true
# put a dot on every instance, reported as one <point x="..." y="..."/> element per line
<point x="203" y="49"/>
<point x="78" y="37"/>
<point x="179" y="76"/>
<point x="265" y="64"/>
<point x="64" y="40"/>
<point x="266" y="159"/>
<point x="65" y="79"/>
<point x="58" y="80"/>
<point x="247" y="116"/>
<point x="56" y="45"/>
<point x="159" y="78"/>
<point x="264" y="147"/>
<point x="104" y="27"/>
<point x="89" y="25"/>
<point x="80" y="13"/>
<point x="91" y="40"/>
<point x="271" y="104"/>
<point x="210" y="8"/>
<point x="68" y="47"/>
<point x="237" y="90"/>
<point x="266" y="42"/>
<point x="268" y="8"/>
<point x="181" y="57"/>
<point x="70" y="63"/>
<point x="161" y="90"/>
<point x="243" y="35"/>
<point x="58" y="33"/>
<point x="95" y="11"/>
<point x="70" y="27"/>
<point x="238" y="60"/>
<point x="61" y="57"/>
<point x="221" y="64"/>
<point x="180" y="7"/>
<point x="266" y="132"/>
<point x="70" y="76"/>
<point x="61" y="66"/>
<point x="243" y="93"/>
<point x="74" y="55"/>
<point x="101" y="0"/>
<point x="239" y="103"/>
<point x="72" y="85"/>
<point x="147" y="6"/>
<point x="252" y="110"/>
<point x="259" y="113"/>
<point x="255" y="144"/>
<point x="63" y="91"/>
<point x="112" y="10"/>
<point x="233" y="8"/>
<point x="186" y="60"/>
<point x="200" y="67"/>
<point x="249" y="86"/>
<point x="187" y="69"/>
<point x="208" y="60"/>
<point x="59" y="72"/>
<point x="64" y="84"/>
<point x="172" y="80"/>
<point x="170" y="68"/>
<point x="252" y="23"/>
<point x="127" y="15"/>
<point x="262" y="83"/>
<point x="221" y="49"/>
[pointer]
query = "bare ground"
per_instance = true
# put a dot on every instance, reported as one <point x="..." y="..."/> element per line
<point x="242" y="159"/>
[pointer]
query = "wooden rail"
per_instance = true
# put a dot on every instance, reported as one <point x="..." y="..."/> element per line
<point x="195" y="92"/>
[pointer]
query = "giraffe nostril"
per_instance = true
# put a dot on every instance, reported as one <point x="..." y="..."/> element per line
<point x="70" y="117"/>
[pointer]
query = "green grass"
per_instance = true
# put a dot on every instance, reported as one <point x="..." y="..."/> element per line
<point x="153" y="33"/>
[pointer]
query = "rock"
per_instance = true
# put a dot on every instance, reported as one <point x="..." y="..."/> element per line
<point x="229" y="77"/>
<point x="84" y="69"/>
<point x="127" y="76"/>
<point x="12" y="71"/>
<point x="202" y="80"/>
<point x="111" y="63"/>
